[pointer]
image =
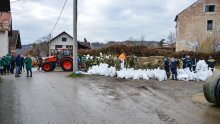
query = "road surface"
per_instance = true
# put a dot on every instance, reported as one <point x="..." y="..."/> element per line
<point x="54" y="98"/>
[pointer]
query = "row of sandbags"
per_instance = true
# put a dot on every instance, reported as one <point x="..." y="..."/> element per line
<point x="104" y="70"/>
<point x="201" y="74"/>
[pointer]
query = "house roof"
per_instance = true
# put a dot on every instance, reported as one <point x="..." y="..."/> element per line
<point x="176" y="18"/>
<point x="84" y="45"/>
<point x="15" y="40"/>
<point x="60" y="35"/>
<point x="5" y="21"/>
<point x="81" y="45"/>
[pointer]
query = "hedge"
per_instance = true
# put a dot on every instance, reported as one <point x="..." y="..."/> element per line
<point x="141" y="51"/>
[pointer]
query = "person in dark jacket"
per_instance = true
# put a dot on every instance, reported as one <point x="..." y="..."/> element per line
<point x="174" y="65"/>
<point x="211" y="63"/>
<point x="18" y="62"/>
<point x="167" y="67"/>
<point x="189" y="63"/>
<point x="12" y="64"/>
<point x="194" y="61"/>
<point x="184" y="62"/>
<point x="22" y="64"/>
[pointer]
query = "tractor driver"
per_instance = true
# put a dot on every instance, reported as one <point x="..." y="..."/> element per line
<point x="60" y="55"/>
<point x="66" y="52"/>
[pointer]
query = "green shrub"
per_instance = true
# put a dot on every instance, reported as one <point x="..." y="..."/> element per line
<point x="141" y="51"/>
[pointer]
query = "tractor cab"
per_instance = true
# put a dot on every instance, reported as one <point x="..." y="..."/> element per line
<point x="62" y="52"/>
<point x="61" y="57"/>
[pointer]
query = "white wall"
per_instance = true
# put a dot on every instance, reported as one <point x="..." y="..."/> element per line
<point x="58" y="41"/>
<point x="4" y="43"/>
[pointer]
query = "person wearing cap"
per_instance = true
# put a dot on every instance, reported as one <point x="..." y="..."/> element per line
<point x="194" y="61"/>
<point x="174" y="64"/>
<point x="184" y="62"/>
<point x="189" y="63"/>
<point x="211" y="63"/>
<point x="167" y="67"/>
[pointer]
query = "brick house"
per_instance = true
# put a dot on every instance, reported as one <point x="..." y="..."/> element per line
<point x="196" y="23"/>
<point x="9" y="39"/>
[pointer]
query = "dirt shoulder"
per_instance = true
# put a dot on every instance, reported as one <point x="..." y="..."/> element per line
<point x="171" y="101"/>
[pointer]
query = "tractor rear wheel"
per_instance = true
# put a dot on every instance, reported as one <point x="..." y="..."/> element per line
<point x="67" y="65"/>
<point x="47" y="67"/>
<point x="217" y="93"/>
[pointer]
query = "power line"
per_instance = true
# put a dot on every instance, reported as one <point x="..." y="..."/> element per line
<point x="59" y="17"/>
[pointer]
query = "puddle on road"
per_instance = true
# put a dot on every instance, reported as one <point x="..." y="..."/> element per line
<point x="211" y="113"/>
<point x="199" y="98"/>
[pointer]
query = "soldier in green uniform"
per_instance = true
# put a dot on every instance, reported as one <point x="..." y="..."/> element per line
<point x="101" y="60"/>
<point x="131" y="62"/>
<point x="94" y="61"/>
<point x="118" y="64"/>
<point x="111" y="62"/>
<point x="28" y="64"/>
<point x="88" y="64"/>
<point x="7" y="63"/>
<point x="83" y="62"/>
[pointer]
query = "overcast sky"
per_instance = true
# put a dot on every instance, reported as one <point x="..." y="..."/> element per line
<point x="98" y="20"/>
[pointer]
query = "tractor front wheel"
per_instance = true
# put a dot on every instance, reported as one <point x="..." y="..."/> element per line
<point x="47" y="67"/>
<point x="67" y="65"/>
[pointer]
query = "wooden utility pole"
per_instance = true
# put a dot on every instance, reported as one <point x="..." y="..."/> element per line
<point x="75" y="44"/>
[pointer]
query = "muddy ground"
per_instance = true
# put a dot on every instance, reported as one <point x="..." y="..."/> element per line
<point x="54" y="98"/>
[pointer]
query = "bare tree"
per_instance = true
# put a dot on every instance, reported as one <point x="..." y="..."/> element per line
<point x="207" y="42"/>
<point x="43" y="44"/>
<point x="40" y="47"/>
<point x="171" y="37"/>
<point x="142" y="44"/>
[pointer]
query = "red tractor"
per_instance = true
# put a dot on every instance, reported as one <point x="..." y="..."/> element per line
<point x="60" y="58"/>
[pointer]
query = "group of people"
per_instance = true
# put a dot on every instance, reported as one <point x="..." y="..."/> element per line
<point x="12" y="63"/>
<point x="171" y="65"/>
<point x="85" y="62"/>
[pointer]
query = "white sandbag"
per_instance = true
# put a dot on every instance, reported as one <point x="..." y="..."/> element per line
<point x="181" y="75"/>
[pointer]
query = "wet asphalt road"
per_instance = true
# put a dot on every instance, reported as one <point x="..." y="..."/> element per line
<point x="54" y="98"/>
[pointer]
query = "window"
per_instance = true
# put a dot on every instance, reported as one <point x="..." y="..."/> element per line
<point x="209" y="25"/>
<point x="69" y="46"/>
<point x="210" y="8"/>
<point x="58" y="46"/>
<point x="64" y="39"/>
